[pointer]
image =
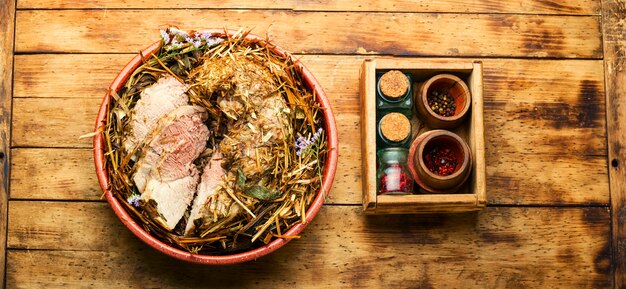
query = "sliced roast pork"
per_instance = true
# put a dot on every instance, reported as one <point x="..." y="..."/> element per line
<point x="166" y="174"/>
<point x="209" y="185"/>
<point x="155" y="101"/>
<point x="258" y="122"/>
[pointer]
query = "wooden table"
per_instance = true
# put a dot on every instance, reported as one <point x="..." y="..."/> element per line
<point x="554" y="88"/>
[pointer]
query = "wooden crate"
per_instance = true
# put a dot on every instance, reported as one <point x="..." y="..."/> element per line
<point x="473" y="195"/>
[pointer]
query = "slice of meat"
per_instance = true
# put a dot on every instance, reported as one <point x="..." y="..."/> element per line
<point x="218" y="208"/>
<point x="209" y="185"/>
<point x="247" y="93"/>
<point x="248" y="142"/>
<point x="165" y="171"/>
<point x="172" y="197"/>
<point x="155" y="101"/>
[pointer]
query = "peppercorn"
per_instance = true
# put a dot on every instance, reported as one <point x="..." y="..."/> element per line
<point x="441" y="103"/>
<point x="441" y="161"/>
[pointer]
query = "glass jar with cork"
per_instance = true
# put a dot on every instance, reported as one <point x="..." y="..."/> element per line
<point x="394" y="110"/>
<point x="394" y="93"/>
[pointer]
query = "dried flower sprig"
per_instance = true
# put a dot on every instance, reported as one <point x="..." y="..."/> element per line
<point x="303" y="144"/>
<point x="175" y="39"/>
<point x="133" y="200"/>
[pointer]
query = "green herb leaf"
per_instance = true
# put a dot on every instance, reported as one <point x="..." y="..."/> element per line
<point x="241" y="178"/>
<point x="262" y="193"/>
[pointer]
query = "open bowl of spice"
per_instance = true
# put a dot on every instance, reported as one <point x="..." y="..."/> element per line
<point x="440" y="161"/>
<point x="215" y="146"/>
<point x="443" y="101"/>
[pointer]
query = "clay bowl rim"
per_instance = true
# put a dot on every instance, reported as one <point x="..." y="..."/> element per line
<point x="328" y="174"/>
<point x="467" y="95"/>
<point x="442" y="133"/>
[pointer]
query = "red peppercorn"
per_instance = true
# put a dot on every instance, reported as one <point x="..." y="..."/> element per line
<point x="441" y="161"/>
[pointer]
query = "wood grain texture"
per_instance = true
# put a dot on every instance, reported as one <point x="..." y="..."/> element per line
<point x="367" y="98"/>
<point x="172" y="4"/>
<point x="321" y="32"/>
<point x="574" y="7"/>
<point x="614" y="13"/>
<point x="59" y="244"/>
<point x="544" y="122"/>
<point x="578" y="7"/>
<point x="54" y="174"/>
<point x="48" y="75"/>
<point x="53" y="122"/>
<point x="7" y="16"/>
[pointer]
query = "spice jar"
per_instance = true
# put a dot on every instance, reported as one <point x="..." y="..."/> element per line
<point x="394" y="130"/>
<point x="393" y="176"/>
<point x="443" y="101"/>
<point x="394" y="92"/>
<point x="440" y="161"/>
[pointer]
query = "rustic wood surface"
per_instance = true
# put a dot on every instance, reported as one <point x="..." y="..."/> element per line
<point x="555" y="196"/>
<point x="564" y="7"/>
<point x="614" y="63"/>
<point x="7" y="15"/>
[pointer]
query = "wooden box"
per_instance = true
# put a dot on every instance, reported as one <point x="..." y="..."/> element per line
<point x="472" y="196"/>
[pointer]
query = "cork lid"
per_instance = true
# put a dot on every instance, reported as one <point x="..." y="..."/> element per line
<point x="393" y="84"/>
<point x="395" y="126"/>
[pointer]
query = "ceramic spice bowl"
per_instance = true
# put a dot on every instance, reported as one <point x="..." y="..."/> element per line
<point x="440" y="161"/>
<point x="450" y="98"/>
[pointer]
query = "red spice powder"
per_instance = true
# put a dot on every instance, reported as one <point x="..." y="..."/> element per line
<point x="394" y="180"/>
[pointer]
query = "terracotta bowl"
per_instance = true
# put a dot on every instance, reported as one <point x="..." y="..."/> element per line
<point x="431" y="181"/>
<point x="456" y="89"/>
<point x="328" y="173"/>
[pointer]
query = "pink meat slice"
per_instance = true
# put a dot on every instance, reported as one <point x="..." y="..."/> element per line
<point x="155" y="101"/>
<point x="165" y="171"/>
<point x="209" y="186"/>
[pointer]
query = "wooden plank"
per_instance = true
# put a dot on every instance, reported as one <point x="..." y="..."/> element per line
<point x="171" y="4"/>
<point x="58" y="75"/>
<point x="511" y="178"/>
<point x="368" y="139"/>
<point x="58" y="174"/>
<point x="53" y="122"/>
<point x="84" y="244"/>
<point x="532" y="179"/>
<point x="7" y="16"/>
<point x="578" y="7"/>
<point x="614" y="12"/>
<point x="574" y="7"/>
<point x="321" y="32"/>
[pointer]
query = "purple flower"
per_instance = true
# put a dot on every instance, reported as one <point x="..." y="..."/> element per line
<point x="178" y="32"/>
<point x="133" y="200"/>
<point x="165" y="36"/>
<point x="197" y="43"/>
<point x="174" y="45"/>
<point x="303" y="143"/>
<point x="210" y="41"/>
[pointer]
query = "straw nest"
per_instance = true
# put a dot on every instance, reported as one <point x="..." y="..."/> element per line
<point x="294" y="166"/>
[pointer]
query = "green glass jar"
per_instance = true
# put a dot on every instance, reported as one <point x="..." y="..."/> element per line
<point x="394" y="92"/>
<point x="393" y="176"/>
<point x="393" y="130"/>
